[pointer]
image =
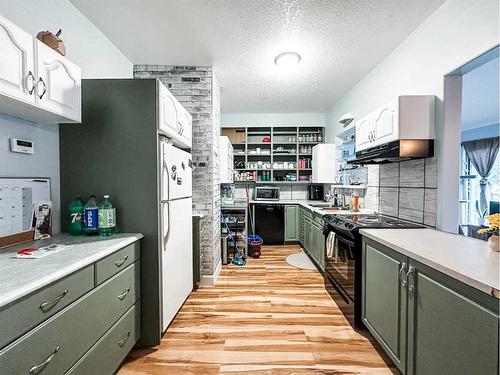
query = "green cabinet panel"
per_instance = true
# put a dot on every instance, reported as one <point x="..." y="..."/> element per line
<point x="107" y="353"/>
<point x="427" y="322"/>
<point x="56" y="344"/>
<point x="384" y="299"/>
<point x="319" y="245"/>
<point x="114" y="263"/>
<point x="291" y="223"/>
<point x="22" y="315"/>
<point x="449" y="333"/>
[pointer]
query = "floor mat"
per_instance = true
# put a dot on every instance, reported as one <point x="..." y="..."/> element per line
<point x="300" y="260"/>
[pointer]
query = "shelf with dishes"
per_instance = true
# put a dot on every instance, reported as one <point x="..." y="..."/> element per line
<point x="281" y="151"/>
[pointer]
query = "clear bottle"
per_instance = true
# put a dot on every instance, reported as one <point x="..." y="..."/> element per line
<point x="75" y="217"/>
<point x="90" y="216"/>
<point x="107" y="218"/>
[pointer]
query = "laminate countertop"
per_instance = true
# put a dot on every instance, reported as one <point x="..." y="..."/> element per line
<point x="466" y="259"/>
<point x="310" y="206"/>
<point x="20" y="277"/>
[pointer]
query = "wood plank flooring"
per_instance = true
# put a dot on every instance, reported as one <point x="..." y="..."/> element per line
<point x="264" y="318"/>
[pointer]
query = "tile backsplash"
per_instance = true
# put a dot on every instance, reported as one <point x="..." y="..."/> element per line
<point x="406" y="190"/>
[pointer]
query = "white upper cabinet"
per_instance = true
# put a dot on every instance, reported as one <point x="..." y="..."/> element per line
<point x="173" y="119"/>
<point x="17" y="77"/>
<point x="324" y="168"/>
<point x="36" y="82"/>
<point x="185" y="122"/>
<point x="385" y="123"/>
<point x="58" y="88"/>
<point x="226" y="161"/>
<point x="167" y="121"/>
<point x="364" y="133"/>
<point x="406" y="117"/>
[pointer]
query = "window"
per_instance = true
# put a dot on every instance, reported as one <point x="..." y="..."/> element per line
<point x="469" y="189"/>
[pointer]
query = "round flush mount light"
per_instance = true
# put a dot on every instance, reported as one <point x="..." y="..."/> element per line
<point x="287" y="59"/>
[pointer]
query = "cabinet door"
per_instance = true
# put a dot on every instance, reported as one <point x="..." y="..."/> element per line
<point x="386" y="123"/>
<point x="383" y="308"/>
<point x="59" y="84"/>
<point x="307" y="235"/>
<point x="319" y="244"/>
<point x="291" y="223"/>
<point x="16" y="62"/>
<point x="364" y="133"/>
<point x="167" y="112"/>
<point x="452" y="329"/>
<point x="185" y="125"/>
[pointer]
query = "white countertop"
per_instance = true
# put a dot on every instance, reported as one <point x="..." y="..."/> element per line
<point x="308" y="204"/>
<point x="20" y="277"/>
<point x="466" y="259"/>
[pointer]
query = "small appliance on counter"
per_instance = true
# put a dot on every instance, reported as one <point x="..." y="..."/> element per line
<point x="315" y="193"/>
<point x="267" y="193"/>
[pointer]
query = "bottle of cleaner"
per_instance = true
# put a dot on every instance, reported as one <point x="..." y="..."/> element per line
<point x="90" y="216"/>
<point x="75" y="217"/>
<point x="107" y="218"/>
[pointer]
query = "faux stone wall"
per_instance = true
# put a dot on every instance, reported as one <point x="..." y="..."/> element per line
<point x="198" y="91"/>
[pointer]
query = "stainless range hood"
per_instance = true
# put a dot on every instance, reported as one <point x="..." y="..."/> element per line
<point x="401" y="150"/>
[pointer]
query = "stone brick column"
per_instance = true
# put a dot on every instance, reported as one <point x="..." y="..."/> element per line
<point x="198" y="91"/>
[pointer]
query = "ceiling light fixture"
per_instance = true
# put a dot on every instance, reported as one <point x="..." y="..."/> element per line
<point x="287" y="59"/>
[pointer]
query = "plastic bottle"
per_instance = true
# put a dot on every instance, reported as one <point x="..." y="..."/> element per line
<point x="90" y="216"/>
<point x="75" y="217"/>
<point x="107" y="218"/>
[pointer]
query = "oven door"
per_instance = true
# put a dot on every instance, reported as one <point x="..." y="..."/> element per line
<point x="340" y="265"/>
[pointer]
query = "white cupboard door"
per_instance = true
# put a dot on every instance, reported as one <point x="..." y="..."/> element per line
<point x="17" y="77"/>
<point x="386" y="123"/>
<point x="58" y="87"/>
<point x="185" y="126"/>
<point x="364" y="133"/>
<point x="167" y="113"/>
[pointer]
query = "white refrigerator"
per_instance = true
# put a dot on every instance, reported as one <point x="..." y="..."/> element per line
<point x="176" y="229"/>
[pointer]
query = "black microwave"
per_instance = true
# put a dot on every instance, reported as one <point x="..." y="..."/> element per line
<point x="266" y="193"/>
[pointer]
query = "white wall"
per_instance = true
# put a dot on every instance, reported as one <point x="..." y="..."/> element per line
<point x="456" y="33"/>
<point x="87" y="47"/>
<point x="272" y="119"/>
<point x="85" y="44"/>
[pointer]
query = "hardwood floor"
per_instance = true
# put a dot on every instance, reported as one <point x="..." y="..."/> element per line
<point x="264" y="318"/>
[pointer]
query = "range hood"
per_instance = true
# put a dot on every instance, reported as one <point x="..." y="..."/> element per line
<point x="401" y="150"/>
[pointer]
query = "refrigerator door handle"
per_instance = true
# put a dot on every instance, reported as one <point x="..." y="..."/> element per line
<point x="166" y="224"/>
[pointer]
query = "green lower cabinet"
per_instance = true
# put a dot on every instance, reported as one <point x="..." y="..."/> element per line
<point x="384" y="299"/>
<point x="427" y="322"/>
<point x="291" y="223"/>
<point x="318" y="244"/>
<point x="452" y="329"/>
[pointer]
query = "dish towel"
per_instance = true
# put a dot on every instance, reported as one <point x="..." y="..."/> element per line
<point x="330" y="244"/>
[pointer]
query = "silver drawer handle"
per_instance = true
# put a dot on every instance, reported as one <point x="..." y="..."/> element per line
<point x="124" y="340"/>
<point x="402" y="275"/>
<point x="121" y="261"/>
<point x="53" y="302"/>
<point x="124" y="294"/>
<point x="39" y="368"/>
<point x="409" y="278"/>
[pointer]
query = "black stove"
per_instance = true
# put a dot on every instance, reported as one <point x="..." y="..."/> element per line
<point x="343" y="257"/>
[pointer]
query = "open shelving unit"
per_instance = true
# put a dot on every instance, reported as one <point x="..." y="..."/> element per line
<point x="285" y="157"/>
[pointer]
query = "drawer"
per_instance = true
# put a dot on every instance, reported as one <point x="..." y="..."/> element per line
<point x="114" y="263"/>
<point x="22" y="315"/>
<point x="111" y="349"/>
<point x="319" y="220"/>
<point x="55" y="345"/>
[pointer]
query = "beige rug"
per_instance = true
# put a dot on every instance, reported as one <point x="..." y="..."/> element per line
<point x="300" y="260"/>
